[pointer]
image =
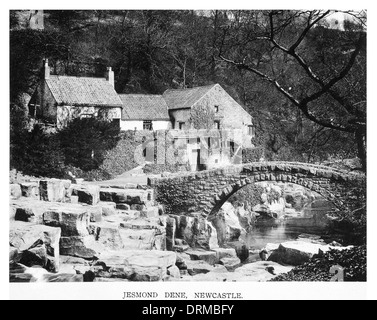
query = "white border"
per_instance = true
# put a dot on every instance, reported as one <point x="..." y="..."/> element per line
<point x="250" y="291"/>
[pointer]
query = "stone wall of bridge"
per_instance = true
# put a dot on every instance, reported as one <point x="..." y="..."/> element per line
<point x="205" y="192"/>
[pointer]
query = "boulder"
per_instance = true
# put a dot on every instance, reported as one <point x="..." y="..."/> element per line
<point x="20" y="273"/>
<point x="181" y="248"/>
<point x="135" y="265"/>
<point x="181" y="261"/>
<point x="261" y="271"/>
<point x="73" y="261"/>
<point x="80" y="247"/>
<point x="196" y="231"/>
<point x="108" y="208"/>
<point x="30" y="190"/>
<point x="138" y="207"/>
<point x="227" y="224"/>
<point x="30" y="210"/>
<point x="35" y="245"/>
<point x="230" y="263"/>
<point x="295" y="252"/>
<point x="143" y="234"/>
<point x="174" y="272"/>
<point x="266" y="252"/>
<point x="72" y="219"/>
<point x="14" y="255"/>
<point x="208" y="256"/>
<point x="123" y="206"/>
<point x="151" y="212"/>
<point x="95" y="213"/>
<point x="15" y="191"/>
<point x="225" y="253"/>
<point x="242" y="252"/>
<point x="198" y="267"/>
<point x="127" y="196"/>
<point x="108" y="235"/>
<point x="89" y="194"/>
<point x="54" y="190"/>
<point x="255" y="272"/>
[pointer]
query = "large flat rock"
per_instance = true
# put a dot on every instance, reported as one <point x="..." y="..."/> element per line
<point x="72" y="219"/>
<point x="208" y="256"/>
<point x="127" y="196"/>
<point x="254" y="272"/>
<point x="195" y="267"/>
<point x="136" y="265"/>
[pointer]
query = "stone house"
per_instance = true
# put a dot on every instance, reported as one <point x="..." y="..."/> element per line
<point x="59" y="99"/>
<point x="209" y="116"/>
<point x="209" y="103"/>
<point x="198" y="118"/>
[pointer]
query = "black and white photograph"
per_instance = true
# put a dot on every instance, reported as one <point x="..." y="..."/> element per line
<point x="181" y="147"/>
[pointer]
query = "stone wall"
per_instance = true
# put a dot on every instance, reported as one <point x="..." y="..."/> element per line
<point x="205" y="192"/>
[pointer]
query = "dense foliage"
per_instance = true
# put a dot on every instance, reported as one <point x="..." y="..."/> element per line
<point x="84" y="142"/>
<point x="353" y="261"/>
<point x="81" y="148"/>
<point x="250" y="194"/>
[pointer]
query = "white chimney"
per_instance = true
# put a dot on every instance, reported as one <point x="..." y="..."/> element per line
<point x="46" y="70"/>
<point x="110" y="76"/>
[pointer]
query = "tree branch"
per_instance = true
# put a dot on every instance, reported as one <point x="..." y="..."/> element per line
<point x="307" y="29"/>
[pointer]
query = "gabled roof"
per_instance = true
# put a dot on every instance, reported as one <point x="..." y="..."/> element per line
<point x="75" y="91"/>
<point x="185" y="98"/>
<point x="144" y="107"/>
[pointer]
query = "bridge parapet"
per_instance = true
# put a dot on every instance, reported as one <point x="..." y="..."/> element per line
<point x="206" y="191"/>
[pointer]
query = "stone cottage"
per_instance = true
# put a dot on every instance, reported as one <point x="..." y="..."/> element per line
<point x="59" y="99"/>
<point x="213" y="107"/>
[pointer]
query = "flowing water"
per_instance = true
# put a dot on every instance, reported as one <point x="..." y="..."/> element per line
<point x="311" y="220"/>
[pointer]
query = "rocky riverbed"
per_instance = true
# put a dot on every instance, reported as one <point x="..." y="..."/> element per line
<point x="62" y="231"/>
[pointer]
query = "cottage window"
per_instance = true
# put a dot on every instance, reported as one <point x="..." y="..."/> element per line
<point x="217" y="125"/>
<point x="147" y="125"/>
<point x="217" y="108"/>
<point x="181" y="125"/>
<point x="251" y="130"/>
<point x="32" y="110"/>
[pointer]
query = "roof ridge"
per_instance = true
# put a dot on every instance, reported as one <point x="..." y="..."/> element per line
<point x="76" y="77"/>
<point x="140" y="94"/>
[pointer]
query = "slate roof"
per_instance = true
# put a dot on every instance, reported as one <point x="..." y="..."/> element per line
<point x="144" y="107"/>
<point x="76" y="91"/>
<point x="185" y="98"/>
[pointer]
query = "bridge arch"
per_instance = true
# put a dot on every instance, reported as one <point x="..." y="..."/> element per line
<point x="205" y="192"/>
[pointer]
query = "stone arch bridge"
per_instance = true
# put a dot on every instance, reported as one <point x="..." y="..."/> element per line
<point x="205" y="192"/>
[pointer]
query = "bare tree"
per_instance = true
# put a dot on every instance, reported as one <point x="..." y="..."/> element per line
<point x="285" y="36"/>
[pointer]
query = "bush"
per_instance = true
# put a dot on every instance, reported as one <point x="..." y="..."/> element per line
<point x="250" y="194"/>
<point x="37" y="153"/>
<point x="85" y="142"/>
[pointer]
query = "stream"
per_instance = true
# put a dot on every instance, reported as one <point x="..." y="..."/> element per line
<point x="309" y="221"/>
